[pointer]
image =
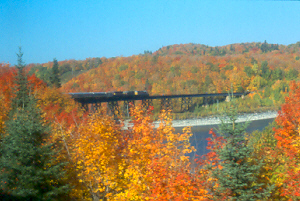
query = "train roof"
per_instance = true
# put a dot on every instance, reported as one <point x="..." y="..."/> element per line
<point x="88" y="93"/>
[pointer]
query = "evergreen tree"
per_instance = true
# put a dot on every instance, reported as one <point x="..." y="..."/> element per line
<point x="55" y="78"/>
<point x="237" y="179"/>
<point x="28" y="167"/>
<point x="21" y="90"/>
<point x="265" y="70"/>
<point x="264" y="47"/>
<point x="248" y="70"/>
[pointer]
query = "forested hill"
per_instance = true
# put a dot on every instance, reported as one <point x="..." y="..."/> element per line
<point x="186" y="68"/>
<point x="198" y="49"/>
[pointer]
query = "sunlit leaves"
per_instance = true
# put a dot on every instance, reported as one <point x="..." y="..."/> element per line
<point x="138" y="163"/>
<point x="97" y="153"/>
<point x="288" y="142"/>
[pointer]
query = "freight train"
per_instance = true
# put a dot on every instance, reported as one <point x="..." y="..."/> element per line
<point x="128" y="94"/>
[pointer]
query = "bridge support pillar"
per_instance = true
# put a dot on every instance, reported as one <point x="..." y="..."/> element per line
<point x="146" y="103"/>
<point x="205" y="101"/>
<point x="166" y="104"/>
<point x="186" y="103"/>
<point x="85" y="106"/>
<point x="114" y="108"/>
<point x="126" y="106"/>
<point x="95" y="107"/>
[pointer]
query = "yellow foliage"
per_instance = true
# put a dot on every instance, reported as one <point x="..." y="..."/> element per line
<point x="118" y="164"/>
<point x="98" y="155"/>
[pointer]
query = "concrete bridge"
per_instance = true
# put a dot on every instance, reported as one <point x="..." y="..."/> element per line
<point x="92" y="101"/>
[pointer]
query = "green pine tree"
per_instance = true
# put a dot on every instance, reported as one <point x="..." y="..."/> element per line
<point x="21" y="90"/>
<point x="55" y="78"/>
<point x="29" y="169"/>
<point x="238" y="179"/>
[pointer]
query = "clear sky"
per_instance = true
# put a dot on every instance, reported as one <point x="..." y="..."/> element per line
<point x="77" y="29"/>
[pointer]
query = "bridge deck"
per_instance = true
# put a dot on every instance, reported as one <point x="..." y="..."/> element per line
<point x="98" y="97"/>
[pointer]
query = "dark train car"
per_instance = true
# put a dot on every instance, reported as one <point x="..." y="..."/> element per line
<point x="88" y="94"/>
<point x="128" y="93"/>
<point x="141" y="93"/>
<point x="118" y="93"/>
<point x="115" y="94"/>
<point x="135" y="93"/>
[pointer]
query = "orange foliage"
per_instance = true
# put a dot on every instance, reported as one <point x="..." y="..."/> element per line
<point x="7" y="84"/>
<point x="141" y="163"/>
<point x="182" y="68"/>
<point x="289" y="142"/>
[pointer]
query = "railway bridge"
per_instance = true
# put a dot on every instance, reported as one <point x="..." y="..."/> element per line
<point x="120" y="101"/>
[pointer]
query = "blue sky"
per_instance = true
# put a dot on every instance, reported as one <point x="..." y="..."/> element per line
<point x="78" y="30"/>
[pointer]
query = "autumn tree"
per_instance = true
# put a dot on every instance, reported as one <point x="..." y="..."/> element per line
<point x="28" y="166"/>
<point x="288" y="143"/>
<point x="158" y="165"/>
<point x="265" y="148"/>
<point x="292" y="74"/>
<point x="171" y="171"/>
<point x="141" y="163"/>
<point x="208" y="163"/>
<point x="5" y="93"/>
<point x="98" y="156"/>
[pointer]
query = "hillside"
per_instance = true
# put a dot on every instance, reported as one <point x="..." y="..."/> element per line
<point x="176" y="69"/>
<point x="263" y="68"/>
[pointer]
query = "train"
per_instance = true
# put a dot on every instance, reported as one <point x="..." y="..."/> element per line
<point x="109" y="94"/>
<point x="130" y="93"/>
<point x="135" y="93"/>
